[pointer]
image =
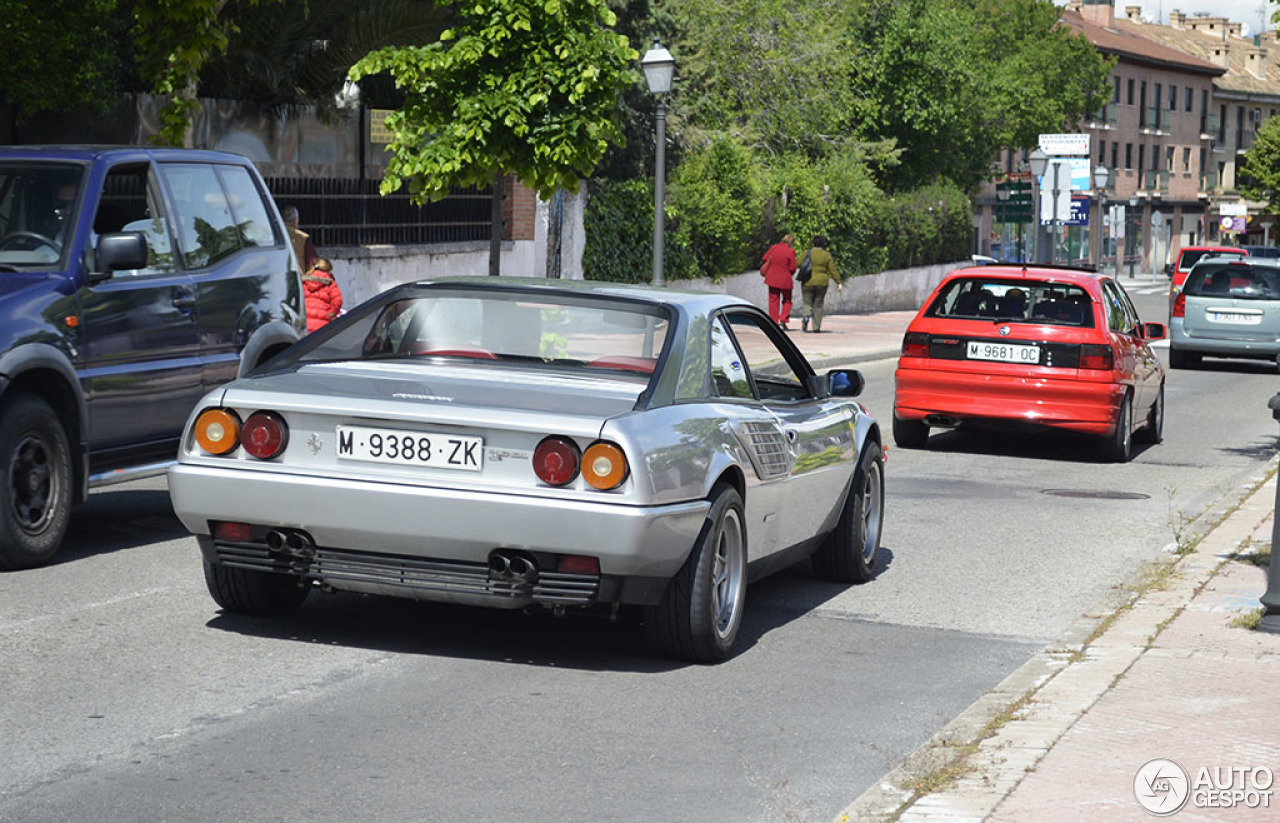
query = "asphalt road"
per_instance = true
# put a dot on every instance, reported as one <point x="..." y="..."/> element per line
<point x="128" y="697"/>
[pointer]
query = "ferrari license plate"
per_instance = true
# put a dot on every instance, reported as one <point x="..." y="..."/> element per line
<point x="1003" y="352"/>
<point x="410" y="448"/>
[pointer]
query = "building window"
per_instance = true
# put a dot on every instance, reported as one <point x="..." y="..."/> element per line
<point x="1142" y="161"/>
<point x="1115" y="90"/>
<point x="1186" y="160"/>
<point x="1115" y="158"/>
<point x="1130" y="83"/>
<point x="1191" y="99"/>
<point x="1142" y="103"/>
<point x="1173" y="98"/>
<point x="1168" y="159"/>
<point x="1102" y="152"/>
<point x="1128" y="155"/>
<point x="1222" y="123"/>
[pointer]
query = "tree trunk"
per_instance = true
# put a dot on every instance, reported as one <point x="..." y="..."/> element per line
<point x="495" y="227"/>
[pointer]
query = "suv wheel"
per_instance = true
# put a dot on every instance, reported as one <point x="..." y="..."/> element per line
<point x="36" y="460"/>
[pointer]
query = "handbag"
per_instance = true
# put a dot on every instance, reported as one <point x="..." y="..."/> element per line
<point x="806" y="268"/>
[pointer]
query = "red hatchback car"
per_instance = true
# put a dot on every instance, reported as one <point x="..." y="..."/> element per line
<point x="1188" y="256"/>
<point x="1017" y="345"/>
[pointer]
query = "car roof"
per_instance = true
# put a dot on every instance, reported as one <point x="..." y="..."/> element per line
<point x="1236" y="249"/>
<point x="89" y="152"/>
<point x="1028" y="271"/>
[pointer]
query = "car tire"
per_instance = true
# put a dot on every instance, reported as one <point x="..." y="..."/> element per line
<point x="1118" y="447"/>
<point x="701" y="611"/>
<point x="1153" y="432"/>
<point x="37" y="494"/>
<point x="849" y="553"/>
<point x="910" y="434"/>
<point x="245" y="591"/>
<point x="1183" y="359"/>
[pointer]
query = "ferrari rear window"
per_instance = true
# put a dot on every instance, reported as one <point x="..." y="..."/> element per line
<point x="1238" y="281"/>
<point x="1030" y="301"/>
<point x="510" y="327"/>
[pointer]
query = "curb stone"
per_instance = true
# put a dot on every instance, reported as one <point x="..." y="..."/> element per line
<point x="1045" y="696"/>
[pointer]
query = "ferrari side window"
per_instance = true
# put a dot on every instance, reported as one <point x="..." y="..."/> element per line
<point x="773" y="374"/>
<point x="728" y="372"/>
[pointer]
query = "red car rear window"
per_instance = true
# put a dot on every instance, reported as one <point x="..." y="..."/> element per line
<point x="1030" y="301"/>
<point x="1189" y="257"/>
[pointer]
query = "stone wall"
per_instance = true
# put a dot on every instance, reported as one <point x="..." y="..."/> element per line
<point x="894" y="290"/>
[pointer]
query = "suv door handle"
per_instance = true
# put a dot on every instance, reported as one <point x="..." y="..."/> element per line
<point x="183" y="299"/>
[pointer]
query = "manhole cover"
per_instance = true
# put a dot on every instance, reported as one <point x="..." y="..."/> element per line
<point x="1096" y="494"/>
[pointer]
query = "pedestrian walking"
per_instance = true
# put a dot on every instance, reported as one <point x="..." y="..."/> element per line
<point x="777" y="266"/>
<point x="303" y="247"/>
<point x="323" y="297"/>
<point x="813" y="292"/>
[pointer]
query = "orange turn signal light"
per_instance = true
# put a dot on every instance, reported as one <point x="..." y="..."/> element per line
<point x="604" y="466"/>
<point x="217" y="431"/>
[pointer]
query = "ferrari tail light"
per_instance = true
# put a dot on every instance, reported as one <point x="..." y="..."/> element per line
<point x="232" y="532"/>
<point x="604" y="466"/>
<point x="1097" y="357"/>
<point x="1179" y="305"/>
<point x="578" y="564"/>
<point x="915" y="344"/>
<point x="556" y="461"/>
<point x="217" y="431"/>
<point x="264" y="435"/>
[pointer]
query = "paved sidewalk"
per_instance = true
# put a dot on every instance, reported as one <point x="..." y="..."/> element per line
<point x="852" y="338"/>
<point x="1071" y="736"/>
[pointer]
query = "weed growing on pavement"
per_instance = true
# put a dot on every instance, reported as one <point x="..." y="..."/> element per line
<point x="1248" y="620"/>
<point x="1183" y="539"/>
<point x="1254" y="553"/>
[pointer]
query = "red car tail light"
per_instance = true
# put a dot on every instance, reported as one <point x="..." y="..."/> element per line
<point x="1179" y="305"/>
<point x="556" y="461"/>
<point x="264" y="435"/>
<point x="604" y="465"/>
<point x="1097" y="357"/>
<point x="217" y="431"/>
<point x="915" y="344"/>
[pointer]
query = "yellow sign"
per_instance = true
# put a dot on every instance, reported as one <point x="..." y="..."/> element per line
<point x="378" y="132"/>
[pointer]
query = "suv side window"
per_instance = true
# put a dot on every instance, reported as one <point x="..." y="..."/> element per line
<point x="130" y="202"/>
<point x="207" y="230"/>
<point x="247" y="207"/>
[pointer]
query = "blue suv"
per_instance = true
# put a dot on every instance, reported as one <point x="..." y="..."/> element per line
<point x="132" y="281"/>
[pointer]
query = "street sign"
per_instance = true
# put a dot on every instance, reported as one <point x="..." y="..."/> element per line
<point x="1016" y="209"/>
<point x="1117" y="222"/>
<point x="1233" y="209"/>
<point x="1157" y="219"/>
<point x="1055" y="191"/>
<point x="1064" y="144"/>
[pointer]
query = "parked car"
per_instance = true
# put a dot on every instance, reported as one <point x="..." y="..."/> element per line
<point x="1227" y="308"/>
<point x="530" y="443"/>
<point x="1265" y="252"/>
<point x="132" y="281"/>
<point x="1030" y="346"/>
<point x="1188" y="256"/>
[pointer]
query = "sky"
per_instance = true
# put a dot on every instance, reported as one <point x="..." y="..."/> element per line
<point x="1254" y="13"/>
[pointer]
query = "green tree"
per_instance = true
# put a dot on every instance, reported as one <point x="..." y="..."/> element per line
<point x="1259" y="173"/>
<point x="953" y="82"/>
<point x="526" y="87"/>
<point x="175" y="38"/>
<point x="59" y="55"/>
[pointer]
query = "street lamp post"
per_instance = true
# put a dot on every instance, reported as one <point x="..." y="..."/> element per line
<point x="1100" y="177"/>
<point x="1039" y="164"/>
<point x="659" y="70"/>
<point x="1133" y="204"/>
<point x="1002" y="194"/>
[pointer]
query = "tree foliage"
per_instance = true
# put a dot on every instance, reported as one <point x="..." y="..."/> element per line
<point x="1259" y="174"/>
<point x="59" y="55"/>
<point x="175" y="38"/>
<point x="517" y="86"/>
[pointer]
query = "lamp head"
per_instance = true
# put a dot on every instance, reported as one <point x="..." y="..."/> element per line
<point x="659" y="69"/>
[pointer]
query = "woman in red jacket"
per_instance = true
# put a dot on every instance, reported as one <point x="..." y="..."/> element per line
<point x="776" y="268"/>
<point x="324" y="299"/>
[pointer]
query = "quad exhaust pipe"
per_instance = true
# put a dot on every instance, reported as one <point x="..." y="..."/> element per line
<point x="512" y="566"/>
<point x="293" y="542"/>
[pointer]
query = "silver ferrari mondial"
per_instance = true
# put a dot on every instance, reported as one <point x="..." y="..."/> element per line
<point x="535" y="443"/>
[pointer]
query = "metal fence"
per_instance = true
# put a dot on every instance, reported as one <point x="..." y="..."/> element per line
<point x="346" y="212"/>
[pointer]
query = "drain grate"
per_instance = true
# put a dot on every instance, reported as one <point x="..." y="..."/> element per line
<point x="1096" y="494"/>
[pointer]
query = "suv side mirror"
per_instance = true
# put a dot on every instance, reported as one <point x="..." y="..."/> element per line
<point x="121" y="250"/>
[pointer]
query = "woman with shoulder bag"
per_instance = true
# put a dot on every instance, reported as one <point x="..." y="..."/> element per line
<point x="813" y="292"/>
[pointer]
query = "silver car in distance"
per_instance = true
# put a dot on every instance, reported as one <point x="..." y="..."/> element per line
<point x="516" y="442"/>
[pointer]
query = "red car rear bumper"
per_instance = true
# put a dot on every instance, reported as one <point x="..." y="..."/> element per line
<point x="1072" y="405"/>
